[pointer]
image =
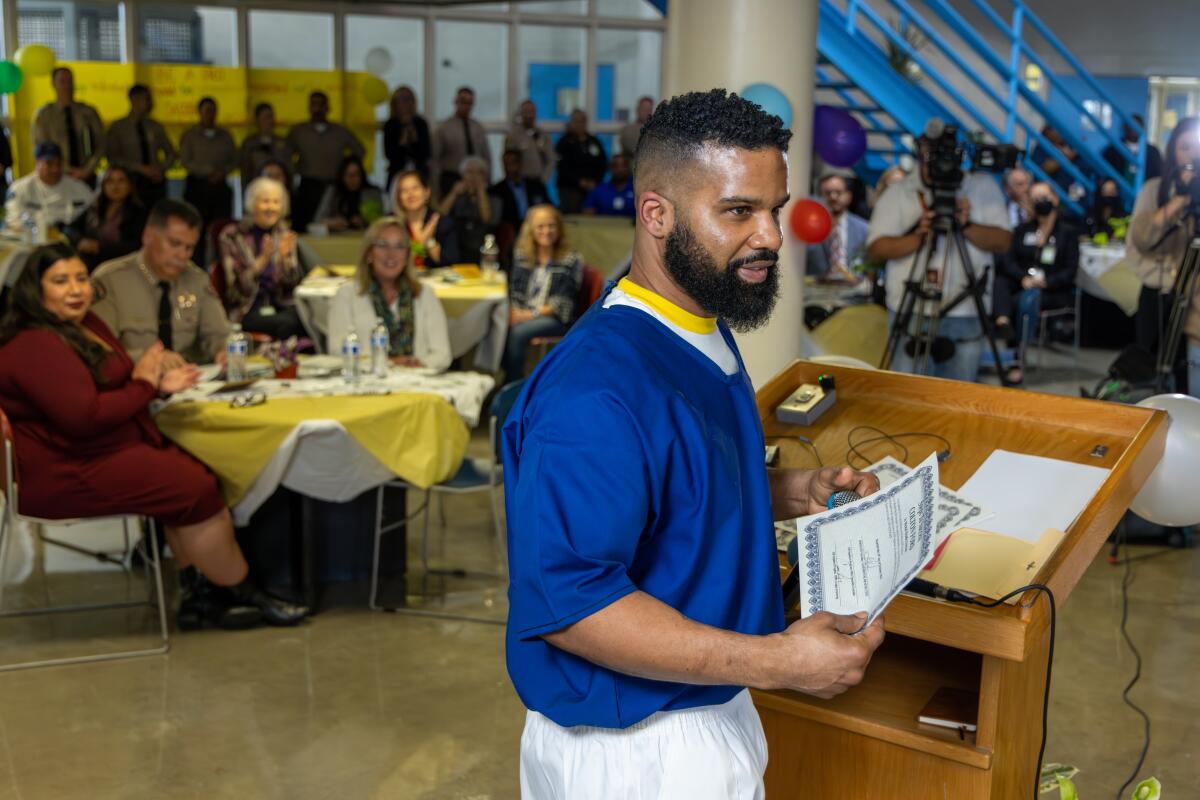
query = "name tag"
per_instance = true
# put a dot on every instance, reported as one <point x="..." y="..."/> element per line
<point x="266" y="311"/>
<point x="1031" y="239"/>
<point x="593" y="149"/>
<point x="618" y="203"/>
<point x="1048" y="254"/>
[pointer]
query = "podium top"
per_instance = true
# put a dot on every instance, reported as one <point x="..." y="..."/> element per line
<point x="977" y="419"/>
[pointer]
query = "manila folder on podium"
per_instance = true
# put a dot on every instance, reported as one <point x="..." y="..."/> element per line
<point x="991" y="564"/>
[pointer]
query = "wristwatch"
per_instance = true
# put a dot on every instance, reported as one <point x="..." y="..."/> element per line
<point x="537" y="312"/>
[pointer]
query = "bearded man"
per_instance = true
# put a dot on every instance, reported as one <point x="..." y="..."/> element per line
<point x="645" y="592"/>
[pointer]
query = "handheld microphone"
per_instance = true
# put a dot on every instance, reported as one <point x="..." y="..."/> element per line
<point x="841" y="498"/>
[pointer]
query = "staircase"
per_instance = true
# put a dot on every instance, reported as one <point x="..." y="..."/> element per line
<point x="955" y="73"/>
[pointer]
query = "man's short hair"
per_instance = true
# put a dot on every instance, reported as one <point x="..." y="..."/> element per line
<point x="680" y="127"/>
<point x="139" y="90"/>
<point x="830" y="176"/>
<point x="54" y="73"/>
<point x="206" y="99"/>
<point x="462" y="89"/>
<point x="166" y="209"/>
<point x="321" y="95"/>
<point x="261" y="107"/>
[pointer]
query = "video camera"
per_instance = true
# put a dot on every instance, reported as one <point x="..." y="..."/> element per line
<point x="944" y="159"/>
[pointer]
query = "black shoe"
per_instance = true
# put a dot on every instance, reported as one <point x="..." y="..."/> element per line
<point x="274" y="611"/>
<point x="201" y="603"/>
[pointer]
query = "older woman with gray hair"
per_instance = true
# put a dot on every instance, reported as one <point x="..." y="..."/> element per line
<point x="466" y="204"/>
<point x="260" y="264"/>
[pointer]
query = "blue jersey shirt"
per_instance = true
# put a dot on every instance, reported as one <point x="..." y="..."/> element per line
<point x="632" y="462"/>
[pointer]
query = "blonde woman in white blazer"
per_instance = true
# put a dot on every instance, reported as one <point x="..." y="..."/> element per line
<point x="385" y="288"/>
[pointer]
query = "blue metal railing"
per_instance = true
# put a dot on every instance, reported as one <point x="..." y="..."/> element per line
<point x="1004" y="94"/>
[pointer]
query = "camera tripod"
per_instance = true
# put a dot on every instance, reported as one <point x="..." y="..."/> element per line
<point x="1168" y="343"/>
<point x="921" y="307"/>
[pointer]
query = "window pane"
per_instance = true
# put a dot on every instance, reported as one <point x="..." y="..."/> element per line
<point x="291" y="39"/>
<point x="628" y="66"/>
<point x="551" y="65"/>
<point x="472" y="54"/>
<point x="182" y="34"/>
<point x="487" y="7"/>
<point x="575" y="7"/>
<point x="74" y="31"/>
<point x="394" y="47"/>
<point x="639" y="9"/>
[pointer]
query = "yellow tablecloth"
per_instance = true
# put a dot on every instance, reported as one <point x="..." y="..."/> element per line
<point x="418" y="436"/>
<point x="338" y="248"/>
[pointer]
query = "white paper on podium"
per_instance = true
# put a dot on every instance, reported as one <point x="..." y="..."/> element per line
<point x="1029" y="494"/>
<point x="857" y="557"/>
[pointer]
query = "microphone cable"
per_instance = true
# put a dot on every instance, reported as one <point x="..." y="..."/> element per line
<point x="1126" y="582"/>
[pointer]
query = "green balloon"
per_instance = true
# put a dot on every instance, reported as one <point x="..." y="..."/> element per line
<point x="10" y="77"/>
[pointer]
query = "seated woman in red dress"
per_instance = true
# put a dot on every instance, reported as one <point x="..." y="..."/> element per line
<point x="87" y="447"/>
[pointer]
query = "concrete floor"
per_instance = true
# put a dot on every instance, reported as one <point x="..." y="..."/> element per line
<point x="357" y="704"/>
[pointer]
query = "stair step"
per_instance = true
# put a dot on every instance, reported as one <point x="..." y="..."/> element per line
<point x="884" y="131"/>
<point x="836" y="85"/>
<point x="867" y="109"/>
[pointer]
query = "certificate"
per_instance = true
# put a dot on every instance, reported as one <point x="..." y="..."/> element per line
<point x="857" y="557"/>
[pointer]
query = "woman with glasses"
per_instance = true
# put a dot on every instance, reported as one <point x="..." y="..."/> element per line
<point x="87" y="447"/>
<point x="384" y="288"/>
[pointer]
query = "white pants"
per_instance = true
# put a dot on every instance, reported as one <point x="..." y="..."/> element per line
<point x="716" y="752"/>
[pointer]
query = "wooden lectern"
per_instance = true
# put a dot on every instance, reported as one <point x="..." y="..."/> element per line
<point x="867" y="744"/>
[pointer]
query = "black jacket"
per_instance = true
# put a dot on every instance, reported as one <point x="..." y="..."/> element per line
<point x="1060" y="274"/>
<point x="399" y="155"/>
<point x="535" y="193"/>
<point x="580" y="159"/>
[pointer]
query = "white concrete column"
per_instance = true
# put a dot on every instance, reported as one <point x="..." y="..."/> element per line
<point x="731" y="44"/>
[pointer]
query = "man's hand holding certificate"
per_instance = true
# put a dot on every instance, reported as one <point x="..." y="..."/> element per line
<point x="857" y="557"/>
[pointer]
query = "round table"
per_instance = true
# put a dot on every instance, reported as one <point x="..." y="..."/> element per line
<point x="476" y="309"/>
<point x="324" y="438"/>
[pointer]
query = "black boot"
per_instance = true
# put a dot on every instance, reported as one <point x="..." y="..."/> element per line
<point x="202" y="602"/>
<point x="274" y="611"/>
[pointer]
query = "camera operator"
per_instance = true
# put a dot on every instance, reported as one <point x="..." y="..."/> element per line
<point x="1163" y="224"/>
<point x="897" y="234"/>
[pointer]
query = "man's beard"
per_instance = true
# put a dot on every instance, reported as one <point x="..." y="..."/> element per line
<point x="743" y="306"/>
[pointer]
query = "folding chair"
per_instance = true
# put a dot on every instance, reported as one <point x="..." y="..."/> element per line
<point x="473" y="475"/>
<point x="8" y="526"/>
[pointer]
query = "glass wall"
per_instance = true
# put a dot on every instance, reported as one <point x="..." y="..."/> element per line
<point x="186" y="34"/>
<point x="74" y="31"/>
<point x="471" y="54"/>
<point x="550" y="67"/>
<point x="291" y="39"/>
<point x="628" y="67"/>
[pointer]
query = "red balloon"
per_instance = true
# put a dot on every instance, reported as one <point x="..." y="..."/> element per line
<point x="811" y="221"/>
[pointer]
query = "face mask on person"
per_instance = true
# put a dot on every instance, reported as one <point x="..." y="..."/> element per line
<point x="1043" y="208"/>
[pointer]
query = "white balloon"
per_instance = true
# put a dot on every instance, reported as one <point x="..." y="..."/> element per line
<point x="378" y="61"/>
<point x="1169" y="496"/>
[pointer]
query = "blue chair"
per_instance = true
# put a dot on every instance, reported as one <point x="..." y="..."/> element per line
<point x="473" y="475"/>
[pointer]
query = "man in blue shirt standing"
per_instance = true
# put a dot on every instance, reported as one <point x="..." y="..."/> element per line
<point x="614" y="197"/>
<point x="645" y="592"/>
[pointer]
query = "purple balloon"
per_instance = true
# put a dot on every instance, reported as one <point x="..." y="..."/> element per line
<point x="838" y="138"/>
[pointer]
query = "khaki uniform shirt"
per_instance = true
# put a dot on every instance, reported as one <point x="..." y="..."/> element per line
<point x="320" y="148"/>
<point x="204" y="150"/>
<point x="129" y="306"/>
<point x="450" y="145"/>
<point x="124" y="145"/>
<point x="537" y="151"/>
<point x="50" y="125"/>
<point x="258" y="150"/>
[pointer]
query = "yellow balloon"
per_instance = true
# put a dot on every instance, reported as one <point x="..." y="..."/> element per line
<point x="374" y="90"/>
<point x="35" y="59"/>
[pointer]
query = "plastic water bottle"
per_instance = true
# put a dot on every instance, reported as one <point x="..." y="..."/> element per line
<point x="489" y="257"/>
<point x="237" y="348"/>
<point x="350" y="352"/>
<point x="30" y="228"/>
<point x="380" y="349"/>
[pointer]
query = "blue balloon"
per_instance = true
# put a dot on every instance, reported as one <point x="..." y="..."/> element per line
<point x="837" y="136"/>
<point x="771" y="100"/>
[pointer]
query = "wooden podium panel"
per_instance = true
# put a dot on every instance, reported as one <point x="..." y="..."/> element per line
<point x="868" y="743"/>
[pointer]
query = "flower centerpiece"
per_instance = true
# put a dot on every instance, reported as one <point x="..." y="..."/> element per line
<point x="284" y="355"/>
